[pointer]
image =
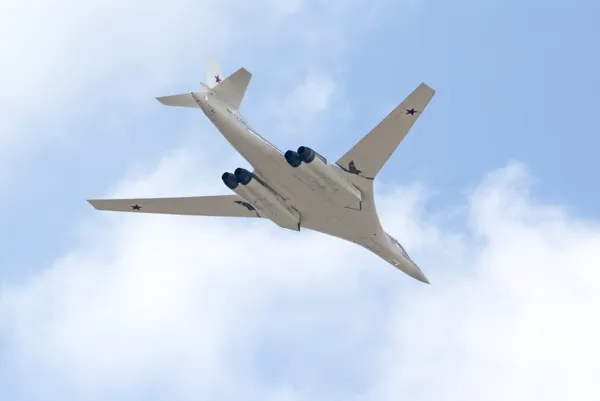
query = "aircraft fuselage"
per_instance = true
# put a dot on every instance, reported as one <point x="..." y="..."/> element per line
<point x="318" y="198"/>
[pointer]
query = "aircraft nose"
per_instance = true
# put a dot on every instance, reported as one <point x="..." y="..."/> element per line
<point x="418" y="274"/>
<point x="415" y="272"/>
<point x="411" y="269"/>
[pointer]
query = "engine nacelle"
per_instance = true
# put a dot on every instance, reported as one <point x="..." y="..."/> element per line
<point x="229" y="180"/>
<point x="307" y="155"/>
<point x="324" y="176"/>
<point x="243" y="176"/>
<point x="267" y="202"/>
<point x="293" y="158"/>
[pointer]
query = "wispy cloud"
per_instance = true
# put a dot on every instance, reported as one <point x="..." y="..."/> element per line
<point x="297" y="112"/>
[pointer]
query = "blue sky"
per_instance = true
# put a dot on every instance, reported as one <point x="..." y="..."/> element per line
<point x="516" y="86"/>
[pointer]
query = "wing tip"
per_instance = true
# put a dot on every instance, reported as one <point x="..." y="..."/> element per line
<point x="94" y="203"/>
<point x="425" y="86"/>
<point x="162" y="100"/>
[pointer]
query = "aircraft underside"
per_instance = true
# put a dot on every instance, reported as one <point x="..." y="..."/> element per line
<point x="298" y="188"/>
<point x="295" y="189"/>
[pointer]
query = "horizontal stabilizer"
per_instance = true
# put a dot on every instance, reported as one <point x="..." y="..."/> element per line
<point x="220" y="205"/>
<point x="183" y="100"/>
<point x="369" y="155"/>
<point x="233" y="88"/>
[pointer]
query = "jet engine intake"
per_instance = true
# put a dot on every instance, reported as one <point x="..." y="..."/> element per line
<point x="293" y="158"/>
<point x="229" y="180"/>
<point x="243" y="176"/>
<point x="266" y="201"/>
<point x="307" y="155"/>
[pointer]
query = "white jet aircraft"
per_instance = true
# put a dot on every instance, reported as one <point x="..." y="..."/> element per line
<point x="295" y="189"/>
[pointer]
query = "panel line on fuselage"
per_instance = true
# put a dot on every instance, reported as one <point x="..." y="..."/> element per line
<point x="239" y="118"/>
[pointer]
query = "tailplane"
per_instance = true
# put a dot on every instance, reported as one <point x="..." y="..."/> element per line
<point x="231" y="89"/>
<point x="183" y="100"/>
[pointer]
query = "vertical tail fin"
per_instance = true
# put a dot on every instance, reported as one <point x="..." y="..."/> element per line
<point x="231" y="89"/>
<point x="214" y="76"/>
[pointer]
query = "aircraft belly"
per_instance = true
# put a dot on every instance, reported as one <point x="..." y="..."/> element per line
<point x="271" y="167"/>
<point x="269" y="205"/>
<point x="323" y="179"/>
<point x="268" y="162"/>
<point x="317" y="211"/>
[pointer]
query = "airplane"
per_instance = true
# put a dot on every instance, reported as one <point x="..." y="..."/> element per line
<point x="298" y="189"/>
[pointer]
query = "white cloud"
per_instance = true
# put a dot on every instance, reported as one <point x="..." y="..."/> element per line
<point x="297" y="111"/>
<point x="183" y="305"/>
<point x="515" y="318"/>
<point x="154" y="307"/>
<point x="313" y="95"/>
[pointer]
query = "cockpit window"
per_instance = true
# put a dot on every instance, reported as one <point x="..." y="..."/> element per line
<point x="395" y="242"/>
